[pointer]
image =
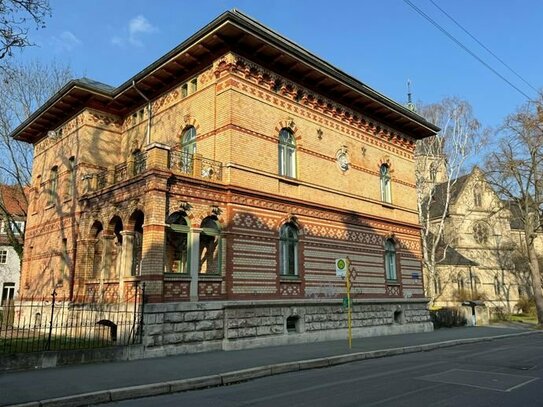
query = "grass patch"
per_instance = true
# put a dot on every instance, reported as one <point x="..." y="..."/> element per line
<point x="525" y="318"/>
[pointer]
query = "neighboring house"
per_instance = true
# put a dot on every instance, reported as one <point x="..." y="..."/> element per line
<point x="228" y="176"/>
<point x="10" y="264"/>
<point x="476" y="255"/>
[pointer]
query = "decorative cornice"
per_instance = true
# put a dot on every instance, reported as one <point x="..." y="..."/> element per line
<point x="256" y="74"/>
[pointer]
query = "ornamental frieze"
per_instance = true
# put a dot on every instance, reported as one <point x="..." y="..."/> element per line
<point x="284" y="207"/>
<point x="260" y="76"/>
<point x="99" y="119"/>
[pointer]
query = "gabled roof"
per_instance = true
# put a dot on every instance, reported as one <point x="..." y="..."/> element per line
<point x="451" y="257"/>
<point x="231" y="31"/>
<point x="12" y="198"/>
<point x="440" y="195"/>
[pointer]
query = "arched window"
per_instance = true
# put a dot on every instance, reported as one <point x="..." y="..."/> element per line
<point x="433" y="172"/>
<point x="210" y="247"/>
<point x="71" y="176"/>
<point x="390" y="260"/>
<point x="460" y="283"/>
<point x="475" y="282"/>
<point x="53" y="184"/>
<point x="137" y="244"/>
<point x="288" y="249"/>
<point x="477" y="196"/>
<point x="188" y="149"/>
<point x="287" y="154"/>
<point x="177" y="247"/>
<point x="385" y="183"/>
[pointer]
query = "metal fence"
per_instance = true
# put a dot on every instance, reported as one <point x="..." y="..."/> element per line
<point x="48" y="324"/>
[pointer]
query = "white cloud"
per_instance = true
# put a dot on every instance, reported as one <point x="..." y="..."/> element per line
<point x="137" y="27"/>
<point x="66" y="42"/>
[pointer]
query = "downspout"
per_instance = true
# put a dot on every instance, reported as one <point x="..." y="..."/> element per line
<point x="149" y="112"/>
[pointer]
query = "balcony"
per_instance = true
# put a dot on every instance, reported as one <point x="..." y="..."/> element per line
<point x="157" y="157"/>
<point x="194" y="165"/>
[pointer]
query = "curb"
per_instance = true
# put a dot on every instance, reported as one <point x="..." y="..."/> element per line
<point x="227" y="378"/>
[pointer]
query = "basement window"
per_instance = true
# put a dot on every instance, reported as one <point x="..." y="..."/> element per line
<point x="292" y="324"/>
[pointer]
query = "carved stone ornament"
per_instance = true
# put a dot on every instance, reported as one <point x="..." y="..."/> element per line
<point x="342" y="159"/>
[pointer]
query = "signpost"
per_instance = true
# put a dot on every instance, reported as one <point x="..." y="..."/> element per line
<point x="344" y="270"/>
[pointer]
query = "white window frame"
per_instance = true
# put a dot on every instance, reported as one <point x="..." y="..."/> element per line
<point x="286" y="245"/>
<point x="287" y="153"/>
<point x="4" y="256"/>
<point x="384" y="176"/>
<point x="391" y="271"/>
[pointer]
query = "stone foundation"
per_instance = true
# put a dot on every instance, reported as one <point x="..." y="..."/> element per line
<point x="174" y="328"/>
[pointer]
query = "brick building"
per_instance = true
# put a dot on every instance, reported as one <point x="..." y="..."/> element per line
<point x="228" y="176"/>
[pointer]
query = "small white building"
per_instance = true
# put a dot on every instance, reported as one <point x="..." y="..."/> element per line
<point x="10" y="263"/>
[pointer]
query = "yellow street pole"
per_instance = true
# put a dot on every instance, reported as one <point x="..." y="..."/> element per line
<point x="348" y="286"/>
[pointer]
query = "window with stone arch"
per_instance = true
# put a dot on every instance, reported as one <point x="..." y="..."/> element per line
<point x="288" y="249"/>
<point x="287" y="153"/>
<point x="177" y="243"/>
<point x="210" y="246"/>
<point x="391" y="266"/>
<point x="188" y="149"/>
<point x="384" y="174"/>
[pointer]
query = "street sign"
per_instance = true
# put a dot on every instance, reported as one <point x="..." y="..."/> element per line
<point x="341" y="267"/>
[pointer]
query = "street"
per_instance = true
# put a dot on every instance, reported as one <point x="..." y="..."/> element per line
<point x="502" y="373"/>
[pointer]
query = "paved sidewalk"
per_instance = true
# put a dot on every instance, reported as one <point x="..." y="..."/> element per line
<point x="169" y="374"/>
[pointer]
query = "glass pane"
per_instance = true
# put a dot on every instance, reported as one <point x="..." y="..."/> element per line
<point x="291" y="257"/>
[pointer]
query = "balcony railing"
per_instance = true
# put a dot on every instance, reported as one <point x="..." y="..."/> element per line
<point x="195" y="165"/>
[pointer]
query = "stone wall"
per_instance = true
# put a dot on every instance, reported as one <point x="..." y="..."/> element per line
<point x="194" y="327"/>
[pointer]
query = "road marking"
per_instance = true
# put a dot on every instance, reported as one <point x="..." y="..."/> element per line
<point x="409" y="393"/>
<point x="339" y="382"/>
<point x="462" y="380"/>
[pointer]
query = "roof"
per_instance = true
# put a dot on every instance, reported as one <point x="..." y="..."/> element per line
<point x="451" y="257"/>
<point x="440" y="195"/>
<point x="12" y="198"/>
<point x="231" y="31"/>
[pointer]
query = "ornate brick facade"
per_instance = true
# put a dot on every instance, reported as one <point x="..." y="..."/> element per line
<point x="184" y="193"/>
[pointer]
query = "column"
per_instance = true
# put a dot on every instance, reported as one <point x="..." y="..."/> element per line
<point x="194" y="262"/>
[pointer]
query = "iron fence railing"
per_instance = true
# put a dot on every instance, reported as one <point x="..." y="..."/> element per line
<point x="48" y="324"/>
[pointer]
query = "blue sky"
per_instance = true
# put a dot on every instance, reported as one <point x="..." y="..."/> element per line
<point x="382" y="43"/>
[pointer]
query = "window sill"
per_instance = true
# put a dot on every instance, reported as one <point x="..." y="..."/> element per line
<point x="289" y="180"/>
<point x="176" y="276"/>
<point x="387" y="205"/>
<point x="290" y="279"/>
<point x="392" y="282"/>
<point x="204" y="276"/>
<point x="49" y="206"/>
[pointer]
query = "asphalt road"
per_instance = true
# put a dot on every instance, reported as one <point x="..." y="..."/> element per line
<point x="508" y="372"/>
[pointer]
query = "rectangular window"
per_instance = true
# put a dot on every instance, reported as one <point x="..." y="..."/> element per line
<point x="184" y="90"/>
<point x="3" y="256"/>
<point x="18" y="227"/>
<point x="193" y="85"/>
<point x="8" y="292"/>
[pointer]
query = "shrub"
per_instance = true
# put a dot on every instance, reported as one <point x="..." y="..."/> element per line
<point x="447" y="318"/>
<point x="526" y="306"/>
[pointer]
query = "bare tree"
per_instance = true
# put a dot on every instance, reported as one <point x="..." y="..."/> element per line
<point x="22" y="90"/>
<point x="440" y="161"/>
<point x="515" y="170"/>
<point x="17" y="17"/>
